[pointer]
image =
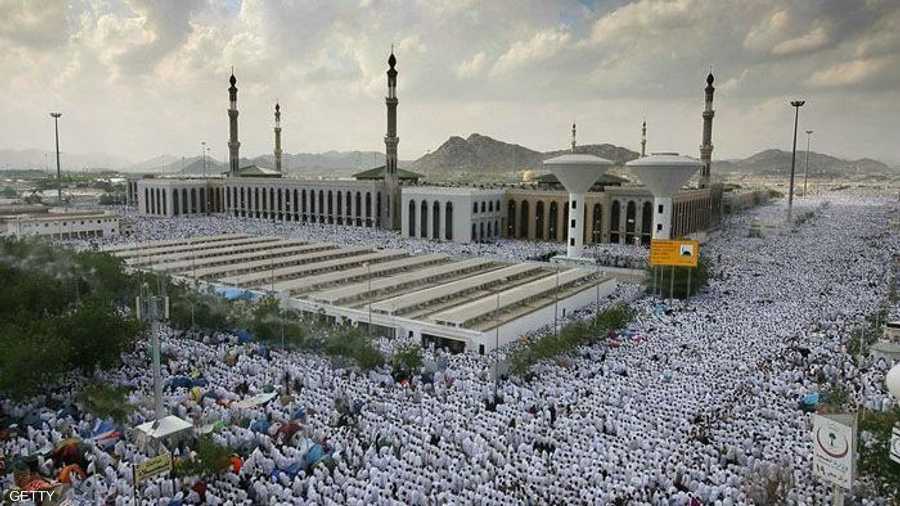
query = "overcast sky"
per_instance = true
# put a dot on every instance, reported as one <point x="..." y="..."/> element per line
<point x="138" y="78"/>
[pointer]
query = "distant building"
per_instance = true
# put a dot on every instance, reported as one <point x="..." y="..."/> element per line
<point x="390" y="198"/>
<point x="61" y="225"/>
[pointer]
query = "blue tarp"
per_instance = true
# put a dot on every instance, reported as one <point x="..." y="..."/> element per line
<point x="102" y="427"/>
<point x="315" y="454"/>
<point x="232" y="293"/>
<point x="180" y="382"/>
<point x="292" y="470"/>
<point x="261" y="426"/>
<point x="299" y="414"/>
<point x="200" y="382"/>
<point x="811" y="399"/>
<point x="244" y="336"/>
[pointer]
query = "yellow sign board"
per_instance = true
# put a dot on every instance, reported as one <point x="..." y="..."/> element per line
<point x="679" y="253"/>
<point x="160" y="464"/>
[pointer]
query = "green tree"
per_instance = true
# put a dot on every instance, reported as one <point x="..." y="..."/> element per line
<point x="106" y="401"/>
<point x="874" y="458"/>
<point x="211" y="459"/>
<point x="663" y="279"/>
<point x="407" y="360"/>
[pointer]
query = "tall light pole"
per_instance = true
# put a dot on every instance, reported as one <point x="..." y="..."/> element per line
<point x="796" y="104"/>
<point x="56" y="116"/>
<point x="806" y="172"/>
<point x="369" y="296"/>
<point x="203" y="156"/>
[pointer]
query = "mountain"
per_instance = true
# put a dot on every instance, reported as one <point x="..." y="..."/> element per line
<point x="775" y="162"/>
<point x="482" y="155"/>
<point x="23" y="159"/>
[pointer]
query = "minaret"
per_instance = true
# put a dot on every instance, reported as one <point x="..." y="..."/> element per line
<point x="277" y="137"/>
<point x="233" y="144"/>
<point x="707" y="148"/>
<point x="390" y="214"/>
<point x="573" y="137"/>
<point x="644" y="139"/>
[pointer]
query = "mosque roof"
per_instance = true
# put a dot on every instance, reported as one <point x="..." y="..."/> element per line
<point x="378" y="173"/>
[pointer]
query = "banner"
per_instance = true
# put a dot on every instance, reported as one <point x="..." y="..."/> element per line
<point x="160" y="464"/>
<point x="834" y="446"/>
<point x="678" y="253"/>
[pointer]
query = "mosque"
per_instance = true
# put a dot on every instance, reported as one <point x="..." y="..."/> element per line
<point x="394" y="199"/>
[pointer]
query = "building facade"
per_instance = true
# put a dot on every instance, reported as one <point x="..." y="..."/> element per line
<point x="451" y="214"/>
<point x="66" y="225"/>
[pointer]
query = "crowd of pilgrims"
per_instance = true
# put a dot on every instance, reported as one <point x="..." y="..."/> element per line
<point x="697" y="398"/>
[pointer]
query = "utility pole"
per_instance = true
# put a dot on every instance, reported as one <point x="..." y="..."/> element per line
<point x="806" y="172"/>
<point x="796" y="104"/>
<point x="497" y="348"/>
<point x="369" y="296"/>
<point x="153" y="308"/>
<point x="56" y="116"/>
<point x="556" y="304"/>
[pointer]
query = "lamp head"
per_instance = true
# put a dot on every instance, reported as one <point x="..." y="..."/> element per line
<point x="55" y="114"/>
<point x="798" y="103"/>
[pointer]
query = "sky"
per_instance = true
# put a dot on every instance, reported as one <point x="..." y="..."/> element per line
<point x="140" y="78"/>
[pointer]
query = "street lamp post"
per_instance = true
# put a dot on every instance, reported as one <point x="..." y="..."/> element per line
<point x="497" y="348"/>
<point x="56" y="116"/>
<point x="369" y="296"/>
<point x="806" y="171"/>
<point x="556" y="304"/>
<point x="796" y="104"/>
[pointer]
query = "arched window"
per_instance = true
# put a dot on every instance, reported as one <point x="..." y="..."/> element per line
<point x="423" y="223"/>
<point x="348" y="200"/>
<point x="523" y="220"/>
<point x="496" y="229"/>
<point x="448" y="219"/>
<point x="296" y="205"/>
<point x="614" y="216"/>
<point x="539" y="221"/>
<point x="511" y="219"/>
<point x="436" y="220"/>
<point x="553" y="219"/>
<point x="368" y="209"/>
<point x="321" y="206"/>
<point x="147" y="200"/>
<point x="330" y="208"/>
<point x="194" y="200"/>
<point x="646" y="223"/>
<point x="630" y="222"/>
<point x="378" y="209"/>
<point x="474" y="233"/>
<point x="491" y="206"/>
<point x="482" y="206"/>
<point x="474" y="207"/>
<point x="598" y="223"/>
<point x="175" y="209"/>
<point x="412" y="218"/>
<point x="481" y="231"/>
<point x="358" y="208"/>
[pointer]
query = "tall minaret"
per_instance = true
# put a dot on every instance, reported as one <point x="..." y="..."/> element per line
<point x="277" y="137"/>
<point x="233" y="144"/>
<point x="644" y="139"/>
<point x="390" y="214"/>
<point x="573" y="137"/>
<point x="707" y="148"/>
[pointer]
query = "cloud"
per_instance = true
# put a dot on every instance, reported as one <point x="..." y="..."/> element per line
<point x="144" y="77"/>
<point x="538" y="48"/>
<point x="473" y="66"/>
<point x="851" y="73"/>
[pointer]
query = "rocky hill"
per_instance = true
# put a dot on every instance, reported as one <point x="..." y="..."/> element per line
<point x="482" y="155"/>
<point x="775" y="162"/>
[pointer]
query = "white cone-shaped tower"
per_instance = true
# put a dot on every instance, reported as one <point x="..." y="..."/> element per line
<point x="577" y="172"/>
<point x="663" y="174"/>
<point x="892" y="380"/>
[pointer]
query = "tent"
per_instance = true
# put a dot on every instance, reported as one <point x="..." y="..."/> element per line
<point x="168" y="427"/>
<point x="256" y="400"/>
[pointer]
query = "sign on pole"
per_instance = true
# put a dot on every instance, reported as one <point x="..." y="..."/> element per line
<point x="895" y="444"/>
<point x="834" y="449"/>
<point x="157" y="465"/>
<point x="678" y="253"/>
